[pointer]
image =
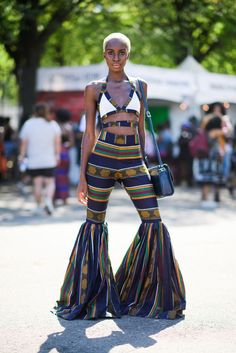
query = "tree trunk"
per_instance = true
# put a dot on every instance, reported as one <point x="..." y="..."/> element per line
<point x="27" y="47"/>
<point x="27" y="91"/>
<point x="26" y="72"/>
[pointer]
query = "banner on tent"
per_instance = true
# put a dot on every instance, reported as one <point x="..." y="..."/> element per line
<point x="167" y="84"/>
<point x="216" y="87"/>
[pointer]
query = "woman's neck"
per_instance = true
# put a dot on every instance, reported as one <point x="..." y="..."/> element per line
<point x="117" y="76"/>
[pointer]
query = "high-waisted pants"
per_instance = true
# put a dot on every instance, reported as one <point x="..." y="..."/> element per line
<point x="148" y="282"/>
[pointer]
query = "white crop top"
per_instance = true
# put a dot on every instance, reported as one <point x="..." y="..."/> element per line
<point x="107" y="106"/>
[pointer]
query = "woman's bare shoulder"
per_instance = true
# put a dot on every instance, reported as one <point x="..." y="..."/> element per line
<point x="136" y="81"/>
<point x="142" y="80"/>
<point x="95" y="86"/>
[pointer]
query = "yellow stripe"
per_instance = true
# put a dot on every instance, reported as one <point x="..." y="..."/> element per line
<point x="119" y="147"/>
<point x="147" y="186"/>
<point x="115" y="157"/>
<point x="178" y="273"/>
<point x="98" y="189"/>
<point x="142" y="197"/>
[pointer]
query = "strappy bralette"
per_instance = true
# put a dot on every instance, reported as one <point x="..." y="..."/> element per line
<point x="107" y="106"/>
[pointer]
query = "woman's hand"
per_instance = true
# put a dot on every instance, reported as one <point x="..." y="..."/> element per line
<point x="82" y="192"/>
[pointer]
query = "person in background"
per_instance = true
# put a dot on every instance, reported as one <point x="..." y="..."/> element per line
<point x="232" y="176"/>
<point x="209" y="163"/>
<point x="185" y="159"/>
<point x="219" y="130"/>
<point x="215" y="110"/>
<point x="63" y="118"/>
<point x="10" y="146"/>
<point x="195" y="122"/>
<point x="10" y="137"/>
<point x="79" y="129"/>
<point x="165" y="142"/>
<point x="3" y="159"/>
<point x="150" y="148"/>
<point x="41" y="143"/>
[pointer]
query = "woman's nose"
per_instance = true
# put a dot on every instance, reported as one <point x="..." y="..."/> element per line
<point x="116" y="56"/>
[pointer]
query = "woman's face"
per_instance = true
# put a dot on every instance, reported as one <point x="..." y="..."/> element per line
<point x="116" y="55"/>
<point x="217" y="110"/>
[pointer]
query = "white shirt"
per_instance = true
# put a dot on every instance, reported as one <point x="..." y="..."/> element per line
<point x="40" y="135"/>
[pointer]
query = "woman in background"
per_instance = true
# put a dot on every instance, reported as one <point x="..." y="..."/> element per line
<point x="3" y="158"/>
<point x="63" y="118"/>
<point x="212" y="170"/>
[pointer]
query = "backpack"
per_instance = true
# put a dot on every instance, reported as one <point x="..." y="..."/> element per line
<point x="198" y="146"/>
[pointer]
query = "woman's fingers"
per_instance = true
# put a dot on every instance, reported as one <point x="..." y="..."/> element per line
<point x="82" y="194"/>
<point x="83" y="198"/>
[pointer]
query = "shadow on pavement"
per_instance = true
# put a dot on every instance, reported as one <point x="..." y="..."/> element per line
<point x="78" y="335"/>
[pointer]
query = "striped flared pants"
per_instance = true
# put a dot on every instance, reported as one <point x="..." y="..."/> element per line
<point x="148" y="282"/>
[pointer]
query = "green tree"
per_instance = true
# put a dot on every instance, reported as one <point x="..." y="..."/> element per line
<point x="7" y="80"/>
<point x="26" y="26"/>
<point x="206" y="29"/>
<point x="87" y="32"/>
<point x="70" y="32"/>
<point x="162" y="32"/>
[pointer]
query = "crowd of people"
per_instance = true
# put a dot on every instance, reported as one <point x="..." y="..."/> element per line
<point x="46" y="153"/>
<point x="204" y="153"/>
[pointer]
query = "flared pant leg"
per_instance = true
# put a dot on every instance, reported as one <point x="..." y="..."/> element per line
<point x="89" y="290"/>
<point x="149" y="280"/>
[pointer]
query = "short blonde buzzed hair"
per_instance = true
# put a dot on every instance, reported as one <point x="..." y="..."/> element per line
<point x="117" y="35"/>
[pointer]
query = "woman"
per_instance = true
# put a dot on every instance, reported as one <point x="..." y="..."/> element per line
<point x="212" y="170"/>
<point x="41" y="143"/>
<point x="63" y="118"/>
<point x="185" y="160"/>
<point x="148" y="282"/>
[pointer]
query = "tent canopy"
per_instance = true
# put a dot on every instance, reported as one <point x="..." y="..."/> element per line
<point x="192" y="65"/>
<point x="189" y="81"/>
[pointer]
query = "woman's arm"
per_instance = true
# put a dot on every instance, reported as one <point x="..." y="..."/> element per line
<point x="141" y="125"/>
<point x="88" y="141"/>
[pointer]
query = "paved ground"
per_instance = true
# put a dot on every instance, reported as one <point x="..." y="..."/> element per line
<point x="34" y="254"/>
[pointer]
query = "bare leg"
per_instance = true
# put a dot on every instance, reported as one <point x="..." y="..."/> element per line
<point x="49" y="193"/>
<point x="217" y="194"/>
<point x="205" y="192"/>
<point x="38" y="188"/>
<point x="49" y="187"/>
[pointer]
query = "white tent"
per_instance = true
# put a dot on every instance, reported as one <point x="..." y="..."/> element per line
<point x="190" y="81"/>
<point x="167" y="84"/>
<point x="192" y="65"/>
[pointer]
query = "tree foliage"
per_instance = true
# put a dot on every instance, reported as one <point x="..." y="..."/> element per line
<point x="162" y="32"/>
<point x="25" y="28"/>
<point x="8" y="89"/>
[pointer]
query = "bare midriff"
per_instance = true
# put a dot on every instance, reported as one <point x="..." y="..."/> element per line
<point x="121" y="130"/>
